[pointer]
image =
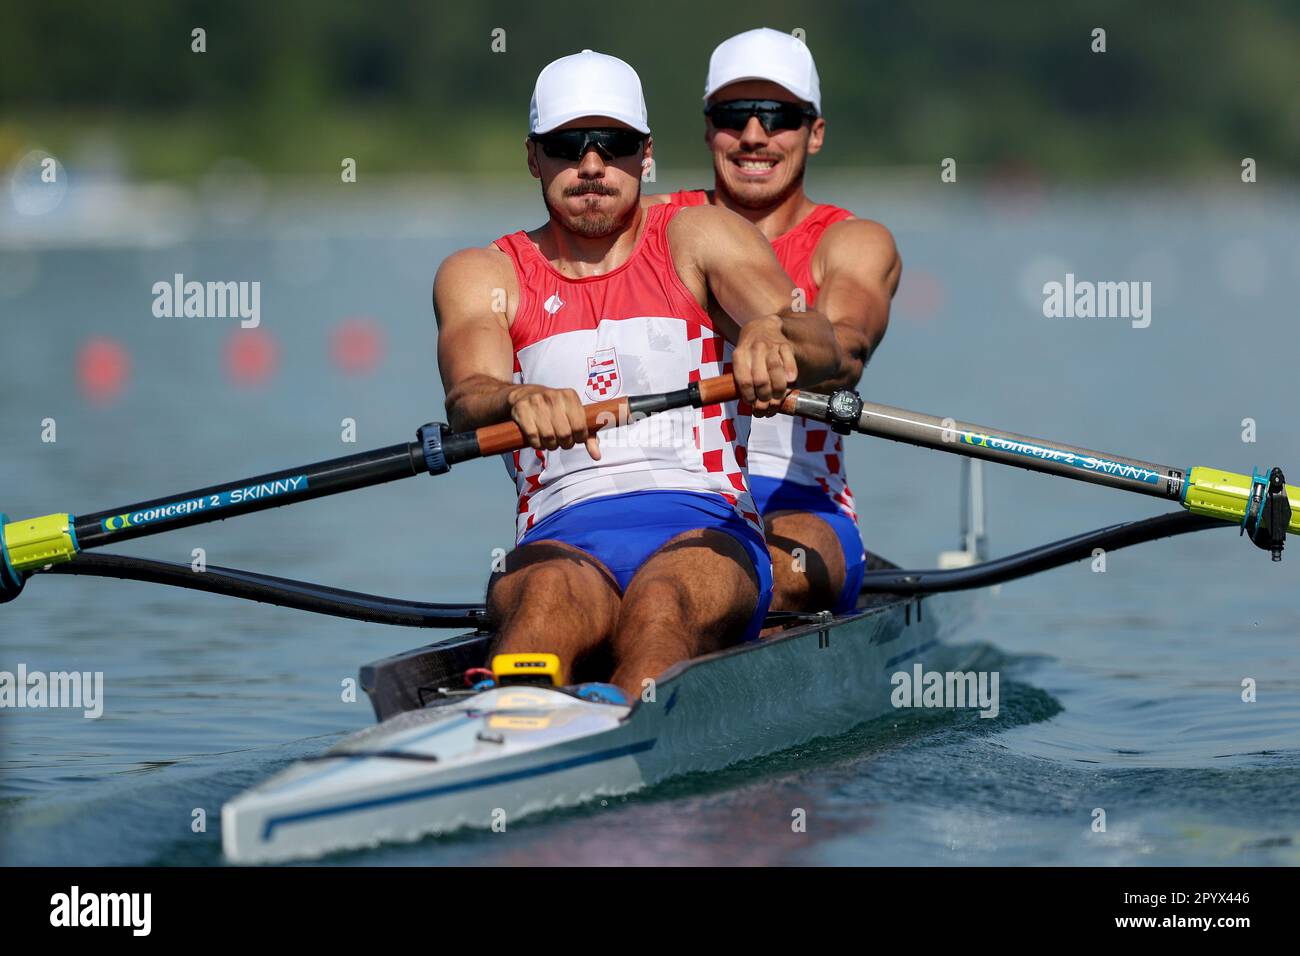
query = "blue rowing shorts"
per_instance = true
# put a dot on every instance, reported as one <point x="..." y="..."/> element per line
<point x="623" y="531"/>
<point x="773" y="494"/>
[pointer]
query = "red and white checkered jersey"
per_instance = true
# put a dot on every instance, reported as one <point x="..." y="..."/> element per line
<point x="787" y="447"/>
<point x="634" y="330"/>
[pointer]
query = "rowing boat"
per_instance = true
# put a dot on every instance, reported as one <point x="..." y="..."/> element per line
<point x="443" y="758"/>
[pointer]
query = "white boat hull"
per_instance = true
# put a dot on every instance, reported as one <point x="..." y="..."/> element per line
<point x="514" y="751"/>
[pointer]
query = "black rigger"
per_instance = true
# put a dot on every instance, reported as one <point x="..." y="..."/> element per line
<point x="320" y="599"/>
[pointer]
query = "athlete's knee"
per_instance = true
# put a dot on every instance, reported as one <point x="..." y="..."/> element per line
<point x="690" y="611"/>
<point x="656" y="600"/>
<point x="548" y="579"/>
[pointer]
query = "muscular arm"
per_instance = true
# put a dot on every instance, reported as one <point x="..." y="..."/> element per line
<point x="471" y="300"/>
<point x="731" y="259"/>
<point x="475" y="356"/>
<point x="859" y="269"/>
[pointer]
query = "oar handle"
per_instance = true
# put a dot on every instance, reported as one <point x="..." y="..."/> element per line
<point x="612" y="412"/>
<point x="715" y="391"/>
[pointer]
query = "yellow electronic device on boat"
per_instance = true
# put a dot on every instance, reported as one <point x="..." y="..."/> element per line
<point x="539" y="669"/>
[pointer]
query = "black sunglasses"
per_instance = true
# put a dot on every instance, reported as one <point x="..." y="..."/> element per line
<point x="572" y="144"/>
<point x="773" y="114"/>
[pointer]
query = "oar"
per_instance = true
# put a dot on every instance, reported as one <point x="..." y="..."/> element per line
<point x="30" y="545"/>
<point x="1263" y="504"/>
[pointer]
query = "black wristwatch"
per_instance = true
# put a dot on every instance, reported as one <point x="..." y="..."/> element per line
<point x="843" y="411"/>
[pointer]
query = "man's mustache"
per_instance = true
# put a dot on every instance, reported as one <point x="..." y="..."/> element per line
<point x="592" y="188"/>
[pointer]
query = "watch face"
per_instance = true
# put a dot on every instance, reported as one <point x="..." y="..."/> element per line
<point x="842" y="403"/>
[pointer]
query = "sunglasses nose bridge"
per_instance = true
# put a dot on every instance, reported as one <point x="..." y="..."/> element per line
<point x="754" y="128"/>
<point x="589" y="147"/>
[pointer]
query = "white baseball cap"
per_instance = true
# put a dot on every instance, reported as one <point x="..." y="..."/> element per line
<point x="766" y="54"/>
<point x="587" y="84"/>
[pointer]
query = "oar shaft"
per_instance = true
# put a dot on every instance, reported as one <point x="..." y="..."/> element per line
<point x="228" y="500"/>
<point x="1008" y="448"/>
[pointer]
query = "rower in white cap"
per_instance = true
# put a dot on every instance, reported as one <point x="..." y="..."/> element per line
<point x="763" y="112"/>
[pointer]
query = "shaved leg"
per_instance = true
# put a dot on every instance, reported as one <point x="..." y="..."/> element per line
<point x="807" y="562"/>
<point x="553" y="599"/>
<point x="696" y="594"/>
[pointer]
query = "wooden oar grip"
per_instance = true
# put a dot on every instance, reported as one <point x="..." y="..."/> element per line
<point x="790" y="402"/>
<point x="715" y="391"/>
<point x="497" y="439"/>
<point x="505" y="437"/>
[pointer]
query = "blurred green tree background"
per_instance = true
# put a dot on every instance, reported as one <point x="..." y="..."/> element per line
<point x="1185" y="89"/>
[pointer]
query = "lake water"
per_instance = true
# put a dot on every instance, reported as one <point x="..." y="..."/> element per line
<point x="1120" y="690"/>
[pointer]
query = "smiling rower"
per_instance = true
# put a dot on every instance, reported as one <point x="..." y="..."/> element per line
<point x="647" y="544"/>
<point x="763" y="120"/>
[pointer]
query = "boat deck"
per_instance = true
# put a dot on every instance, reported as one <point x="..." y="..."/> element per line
<point x="416" y="678"/>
